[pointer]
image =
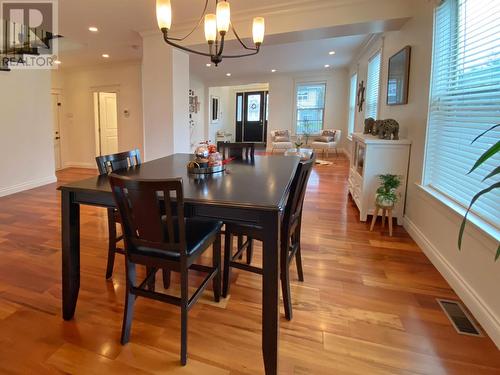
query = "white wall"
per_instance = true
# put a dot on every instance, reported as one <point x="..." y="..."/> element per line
<point x="226" y="121"/>
<point x="472" y="272"/>
<point x="77" y="122"/>
<point x="180" y="88"/>
<point x="25" y="130"/>
<point x="198" y="132"/>
<point x="165" y="87"/>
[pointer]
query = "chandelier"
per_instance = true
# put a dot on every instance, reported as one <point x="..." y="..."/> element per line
<point x="216" y="28"/>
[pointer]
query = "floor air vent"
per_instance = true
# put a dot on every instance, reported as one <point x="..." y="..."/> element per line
<point x="461" y="320"/>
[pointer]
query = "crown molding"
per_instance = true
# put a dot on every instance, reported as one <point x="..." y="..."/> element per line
<point x="292" y="7"/>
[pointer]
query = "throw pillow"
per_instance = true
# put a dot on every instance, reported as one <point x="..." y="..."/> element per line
<point x="329" y="133"/>
<point x="281" y="134"/>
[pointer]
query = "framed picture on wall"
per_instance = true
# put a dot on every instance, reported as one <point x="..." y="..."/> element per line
<point x="214" y="109"/>
<point x="398" y="77"/>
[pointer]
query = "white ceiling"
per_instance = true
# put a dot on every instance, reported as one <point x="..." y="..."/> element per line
<point x="121" y="21"/>
<point x="309" y="55"/>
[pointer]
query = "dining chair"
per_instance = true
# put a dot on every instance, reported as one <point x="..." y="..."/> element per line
<point x="107" y="164"/>
<point x="160" y="237"/>
<point x="290" y="238"/>
<point x="237" y="150"/>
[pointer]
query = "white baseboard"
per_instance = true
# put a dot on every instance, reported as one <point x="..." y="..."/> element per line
<point x="484" y="315"/>
<point x="77" y="164"/>
<point x="27" y="185"/>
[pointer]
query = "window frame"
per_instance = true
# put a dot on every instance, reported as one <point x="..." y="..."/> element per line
<point x="351" y="121"/>
<point x="296" y="109"/>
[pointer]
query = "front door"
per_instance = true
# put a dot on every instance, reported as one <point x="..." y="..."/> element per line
<point x="251" y="116"/>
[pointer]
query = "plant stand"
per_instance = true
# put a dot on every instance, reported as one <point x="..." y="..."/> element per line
<point x="386" y="210"/>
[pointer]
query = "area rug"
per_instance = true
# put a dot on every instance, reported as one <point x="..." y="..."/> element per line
<point x="323" y="162"/>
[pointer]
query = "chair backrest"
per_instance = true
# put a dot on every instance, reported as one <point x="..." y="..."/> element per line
<point x="293" y="209"/>
<point x="113" y="162"/>
<point x="238" y="150"/>
<point x="152" y="212"/>
<point x="275" y="133"/>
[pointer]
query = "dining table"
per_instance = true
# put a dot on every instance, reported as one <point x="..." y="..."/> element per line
<point x="251" y="192"/>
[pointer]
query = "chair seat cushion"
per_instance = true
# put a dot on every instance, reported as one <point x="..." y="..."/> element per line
<point x="199" y="234"/>
<point x="324" y="144"/>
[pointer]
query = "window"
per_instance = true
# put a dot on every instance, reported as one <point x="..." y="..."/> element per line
<point x="464" y="102"/>
<point x="373" y="86"/>
<point x="310" y="108"/>
<point x="352" y="103"/>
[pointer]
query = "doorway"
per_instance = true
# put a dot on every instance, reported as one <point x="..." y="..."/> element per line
<point x="106" y="123"/>
<point x="56" y="124"/>
<point x="251" y="116"/>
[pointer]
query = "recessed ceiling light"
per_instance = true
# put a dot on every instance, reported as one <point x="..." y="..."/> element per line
<point x="208" y="65"/>
<point x="331" y="53"/>
<point x="93" y="29"/>
<point x="228" y="74"/>
<point x="327" y="65"/>
<point x="105" y="55"/>
<point x="273" y="70"/>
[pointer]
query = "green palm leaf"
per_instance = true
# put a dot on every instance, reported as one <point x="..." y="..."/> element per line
<point x="486" y="155"/>
<point x="486" y="131"/>
<point x="474" y="199"/>
<point x="494" y="172"/>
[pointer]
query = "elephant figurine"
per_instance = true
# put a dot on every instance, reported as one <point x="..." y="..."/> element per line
<point x="384" y="129"/>
<point x="368" y="125"/>
<point x="388" y="129"/>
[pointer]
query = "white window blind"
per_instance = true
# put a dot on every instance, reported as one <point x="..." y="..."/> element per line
<point x="352" y="103"/>
<point x="464" y="102"/>
<point x="373" y="86"/>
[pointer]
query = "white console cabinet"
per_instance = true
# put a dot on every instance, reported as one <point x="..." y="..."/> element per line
<point x="371" y="157"/>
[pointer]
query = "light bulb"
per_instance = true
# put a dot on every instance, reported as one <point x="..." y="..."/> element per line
<point x="258" y="30"/>
<point x="164" y="14"/>
<point x="223" y="16"/>
<point x="210" y="27"/>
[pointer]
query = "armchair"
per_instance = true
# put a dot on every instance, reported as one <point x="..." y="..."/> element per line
<point x="280" y="140"/>
<point x="327" y="141"/>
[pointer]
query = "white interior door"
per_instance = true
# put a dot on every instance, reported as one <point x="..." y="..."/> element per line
<point x="56" y="106"/>
<point x="108" y="123"/>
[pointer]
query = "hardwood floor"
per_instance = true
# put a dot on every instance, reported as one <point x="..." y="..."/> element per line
<point x="367" y="305"/>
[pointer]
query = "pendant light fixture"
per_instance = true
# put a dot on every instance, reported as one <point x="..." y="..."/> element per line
<point x="216" y="27"/>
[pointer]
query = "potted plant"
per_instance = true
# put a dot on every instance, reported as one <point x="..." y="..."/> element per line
<point x="387" y="194"/>
<point x="298" y="143"/>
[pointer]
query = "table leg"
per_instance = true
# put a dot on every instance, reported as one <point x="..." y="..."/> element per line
<point x="389" y="211"/>
<point x="70" y="230"/>
<point x="270" y="292"/>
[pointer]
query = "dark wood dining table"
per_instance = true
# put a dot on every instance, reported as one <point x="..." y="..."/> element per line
<point x="249" y="192"/>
